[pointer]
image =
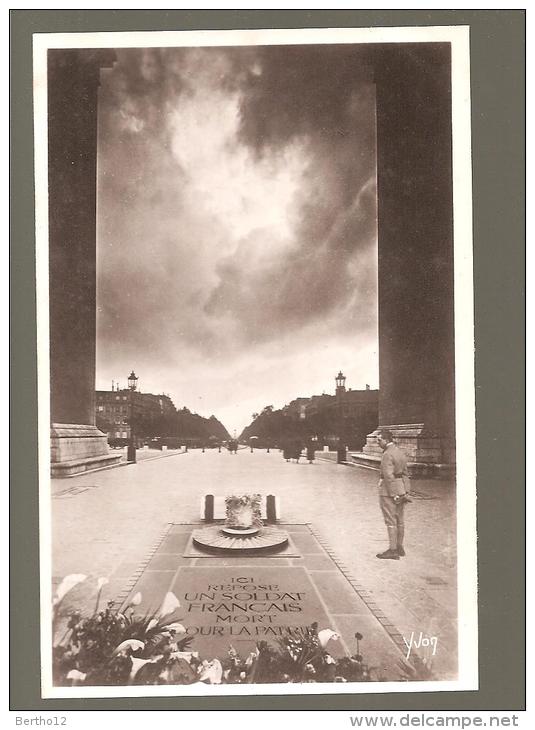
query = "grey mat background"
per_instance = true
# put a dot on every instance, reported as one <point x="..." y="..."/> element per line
<point x="498" y="119"/>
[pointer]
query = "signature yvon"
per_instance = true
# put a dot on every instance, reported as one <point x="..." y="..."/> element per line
<point x="423" y="640"/>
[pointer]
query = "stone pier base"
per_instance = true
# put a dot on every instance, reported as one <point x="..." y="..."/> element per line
<point x="78" y="448"/>
<point x="428" y="454"/>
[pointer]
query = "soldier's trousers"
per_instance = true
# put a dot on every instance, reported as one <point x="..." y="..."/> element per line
<point x="393" y="515"/>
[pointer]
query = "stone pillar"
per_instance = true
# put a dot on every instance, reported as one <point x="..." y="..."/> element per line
<point x="415" y="253"/>
<point x="73" y="81"/>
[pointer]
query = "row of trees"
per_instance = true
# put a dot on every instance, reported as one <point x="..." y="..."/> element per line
<point x="182" y="424"/>
<point x="327" y="426"/>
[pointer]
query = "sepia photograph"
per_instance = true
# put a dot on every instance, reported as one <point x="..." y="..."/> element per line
<point x="255" y="362"/>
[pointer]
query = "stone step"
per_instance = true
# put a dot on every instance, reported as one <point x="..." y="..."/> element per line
<point x="416" y="468"/>
<point x="77" y="466"/>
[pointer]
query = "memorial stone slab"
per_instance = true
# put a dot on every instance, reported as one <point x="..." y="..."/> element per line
<point x="227" y="600"/>
<point x="224" y="606"/>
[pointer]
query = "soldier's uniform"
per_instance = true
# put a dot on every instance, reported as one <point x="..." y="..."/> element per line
<point x="394" y="482"/>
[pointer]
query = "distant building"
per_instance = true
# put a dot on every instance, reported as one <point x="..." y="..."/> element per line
<point x="356" y="410"/>
<point x="117" y="409"/>
<point x="351" y="414"/>
<point x="362" y="404"/>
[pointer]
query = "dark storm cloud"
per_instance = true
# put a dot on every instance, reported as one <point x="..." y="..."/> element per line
<point x="302" y="90"/>
<point x="319" y="97"/>
<point x="147" y="231"/>
<point x="307" y="283"/>
<point x="236" y="205"/>
<point x="142" y="85"/>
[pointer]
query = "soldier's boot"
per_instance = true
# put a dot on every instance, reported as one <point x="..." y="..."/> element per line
<point x="392" y="552"/>
<point x="401" y="535"/>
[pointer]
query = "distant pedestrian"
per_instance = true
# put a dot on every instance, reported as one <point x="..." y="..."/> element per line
<point x="311" y="452"/>
<point x="297" y="448"/>
<point x="286" y="450"/>
<point x="394" y="486"/>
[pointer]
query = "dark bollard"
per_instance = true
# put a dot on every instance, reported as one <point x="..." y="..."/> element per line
<point x="131" y="454"/>
<point x="271" y="510"/>
<point x="209" y="507"/>
<point x="341" y="454"/>
<point x="219" y="449"/>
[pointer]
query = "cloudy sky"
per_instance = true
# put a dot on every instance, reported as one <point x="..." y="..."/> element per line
<point x="237" y="253"/>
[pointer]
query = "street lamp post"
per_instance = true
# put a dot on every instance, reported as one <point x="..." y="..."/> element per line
<point x="131" y="450"/>
<point x="340" y="394"/>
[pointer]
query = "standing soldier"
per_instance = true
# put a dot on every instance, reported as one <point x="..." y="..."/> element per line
<point x="393" y="494"/>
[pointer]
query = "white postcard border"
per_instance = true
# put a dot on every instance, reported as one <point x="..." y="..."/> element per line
<point x="458" y="36"/>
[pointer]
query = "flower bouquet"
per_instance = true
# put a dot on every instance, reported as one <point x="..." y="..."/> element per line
<point x="243" y="511"/>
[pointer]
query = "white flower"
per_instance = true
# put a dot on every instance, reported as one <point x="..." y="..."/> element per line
<point x="67" y="584"/>
<point x="186" y="655"/>
<point x="138" y="663"/>
<point x="327" y="635"/>
<point x="136" y="600"/>
<point x="213" y="672"/>
<point x="133" y="644"/>
<point x="328" y="659"/>
<point x="176" y="627"/>
<point x="164" y="676"/>
<point x="76" y="676"/>
<point x="101" y="583"/>
<point x="170" y="604"/>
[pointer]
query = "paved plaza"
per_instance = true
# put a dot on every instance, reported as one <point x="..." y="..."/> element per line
<point x="107" y="523"/>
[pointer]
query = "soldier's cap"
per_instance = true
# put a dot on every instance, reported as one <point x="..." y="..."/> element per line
<point x="386" y="434"/>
